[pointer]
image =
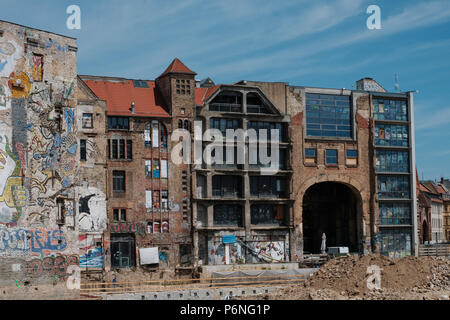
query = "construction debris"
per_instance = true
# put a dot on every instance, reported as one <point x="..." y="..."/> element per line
<point x="351" y="277"/>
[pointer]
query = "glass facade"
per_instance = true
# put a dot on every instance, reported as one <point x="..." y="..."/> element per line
<point x="395" y="242"/>
<point x="385" y="109"/>
<point x="394" y="213"/>
<point x="392" y="161"/>
<point x="393" y="187"/>
<point x="328" y="115"/>
<point x="391" y="135"/>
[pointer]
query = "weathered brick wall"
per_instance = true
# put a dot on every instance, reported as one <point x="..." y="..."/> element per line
<point x="38" y="164"/>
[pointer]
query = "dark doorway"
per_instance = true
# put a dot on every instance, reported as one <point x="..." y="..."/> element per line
<point x="123" y="250"/>
<point x="330" y="208"/>
<point x="424" y="232"/>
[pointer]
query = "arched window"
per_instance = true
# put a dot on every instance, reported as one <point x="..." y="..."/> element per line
<point x="186" y="125"/>
<point x="155" y="132"/>
<point x="180" y="124"/>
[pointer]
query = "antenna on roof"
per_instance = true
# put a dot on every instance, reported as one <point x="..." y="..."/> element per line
<point x="397" y="86"/>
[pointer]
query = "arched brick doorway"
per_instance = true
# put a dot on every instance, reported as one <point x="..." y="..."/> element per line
<point x="332" y="208"/>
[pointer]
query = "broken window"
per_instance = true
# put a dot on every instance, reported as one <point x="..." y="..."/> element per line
<point x="393" y="187"/>
<point x="268" y="187"/>
<point x="227" y="186"/>
<point x="267" y="214"/>
<point x="228" y="215"/>
<point x="392" y="161"/>
<point x="310" y="156"/>
<point x="391" y="135"/>
<point x="118" y="181"/>
<point x="328" y="115"/>
<point x="86" y="121"/>
<point x="386" y="109"/>
<point x="38" y="67"/>
<point x="82" y="150"/>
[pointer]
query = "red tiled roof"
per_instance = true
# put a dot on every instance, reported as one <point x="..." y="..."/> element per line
<point x="119" y="94"/>
<point x="177" y="67"/>
<point x="201" y="94"/>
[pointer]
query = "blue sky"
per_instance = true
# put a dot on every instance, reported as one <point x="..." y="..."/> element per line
<point x="303" y="42"/>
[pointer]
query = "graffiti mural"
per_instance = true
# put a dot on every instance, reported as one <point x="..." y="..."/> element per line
<point x="91" y="209"/>
<point x="21" y="241"/>
<point x="91" y="254"/>
<point x="138" y="228"/>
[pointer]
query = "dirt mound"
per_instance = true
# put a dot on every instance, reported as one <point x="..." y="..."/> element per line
<point x="350" y="273"/>
<point x="347" y="277"/>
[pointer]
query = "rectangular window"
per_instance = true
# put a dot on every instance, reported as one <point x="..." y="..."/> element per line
<point x="119" y="181"/>
<point x="392" y="161"/>
<point x="328" y="116"/>
<point x="223" y="124"/>
<point x="155" y="130"/>
<point x="155" y="169"/>
<point x="391" y="135"/>
<point x="164" y="199"/>
<point x="122" y="149"/>
<point x="114" y="149"/>
<point x="108" y="149"/>
<point x="227" y="186"/>
<point x="118" y="123"/>
<point x="227" y="215"/>
<point x="147" y="136"/>
<point x="267" y="214"/>
<point x="351" y="157"/>
<point x="123" y="215"/>
<point x="385" y="109"/>
<point x="393" y="187"/>
<point x="396" y="242"/>
<point x="130" y="149"/>
<point x="268" y="187"/>
<point x="310" y="156"/>
<point x="116" y="214"/>
<point x="148" y="168"/>
<point x="148" y="199"/>
<point x="331" y="157"/>
<point x="394" y="213"/>
<point x="260" y="126"/>
<point x="82" y="150"/>
<point x="164" y="169"/>
<point x="86" y="121"/>
<point x="156" y="200"/>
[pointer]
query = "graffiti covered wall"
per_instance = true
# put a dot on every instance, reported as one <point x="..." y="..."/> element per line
<point x="38" y="155"/>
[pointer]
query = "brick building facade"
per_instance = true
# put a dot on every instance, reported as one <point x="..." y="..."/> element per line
<point x="91" y="172"/>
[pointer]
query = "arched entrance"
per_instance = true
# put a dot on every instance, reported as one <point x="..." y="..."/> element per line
<point x="331" y="208"/>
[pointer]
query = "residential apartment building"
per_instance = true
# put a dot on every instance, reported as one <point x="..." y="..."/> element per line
<point x="435" y="194"/>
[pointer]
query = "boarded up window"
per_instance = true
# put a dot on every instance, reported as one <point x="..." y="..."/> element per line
<point x="163" y="168"/>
